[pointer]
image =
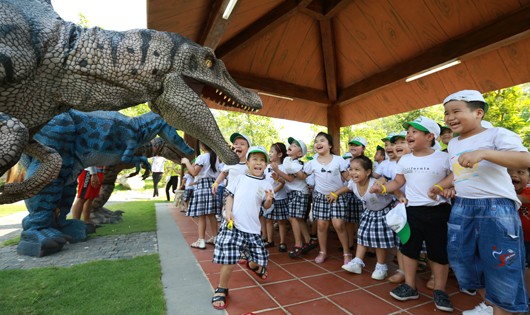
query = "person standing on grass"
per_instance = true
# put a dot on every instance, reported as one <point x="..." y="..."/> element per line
<point x="204" y="204"/>
<point x="246" y="195"/>
<point x="88" y="187"/>
<point x="158" y="170"/>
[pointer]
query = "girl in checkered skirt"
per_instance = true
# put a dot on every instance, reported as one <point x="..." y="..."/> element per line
<point x="373" y="230"/>
<point x="330" y="171"/>
<point x="280" y="211"/>
<point x="204" y="204"/>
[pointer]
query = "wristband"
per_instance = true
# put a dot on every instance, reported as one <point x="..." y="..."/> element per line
<point x="383" y="191"/>
<point x="334" y="195"/>
<point x="214" y="184"/>
<point x="439" y="187"/>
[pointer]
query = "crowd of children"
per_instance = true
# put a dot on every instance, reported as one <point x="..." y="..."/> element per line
<point x="464" y="185"/>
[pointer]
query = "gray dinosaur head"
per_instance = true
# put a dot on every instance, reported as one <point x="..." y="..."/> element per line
<point x="198" y="73"/>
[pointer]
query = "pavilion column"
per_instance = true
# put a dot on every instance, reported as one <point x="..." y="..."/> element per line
<point x="334" y="128"/>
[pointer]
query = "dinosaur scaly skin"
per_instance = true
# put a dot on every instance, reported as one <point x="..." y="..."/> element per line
<point x="102" y="215"/>
<point x="83" y="139"/>
<point x="48" y="66"/>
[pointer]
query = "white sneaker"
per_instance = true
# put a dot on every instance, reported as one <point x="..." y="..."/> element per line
<point x="353" y="267"/>
<point x="481" y="309"/>
<point x="379" y="274"/>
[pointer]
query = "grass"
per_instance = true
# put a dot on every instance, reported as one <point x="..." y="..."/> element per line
<point x="128" y="286"/>
<point x="11" y="208"/>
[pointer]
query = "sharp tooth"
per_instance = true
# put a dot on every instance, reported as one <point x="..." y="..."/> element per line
<point x="233" y="102"/>
<point x="216" y="90"/>
<point x="220" y="92"/>
<point x="229" y="99"/>
<point x="224" y="98"/>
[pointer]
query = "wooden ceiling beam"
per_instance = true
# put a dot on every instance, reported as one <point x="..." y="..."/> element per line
<point x="276" y="16"/>
<point x="280" y="88"/>
<point x="328" y="54"/>
<point x="335" y="7"/>
<point x="216" y="25"/>
<point x="491" y="36"/>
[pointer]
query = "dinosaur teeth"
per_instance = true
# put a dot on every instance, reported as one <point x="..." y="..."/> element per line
<point x="216" y="91"/>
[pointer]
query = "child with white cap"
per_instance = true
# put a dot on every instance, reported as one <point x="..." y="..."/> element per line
<point x="246" y="194"/>
<point x="486" y="248"/>
<point x="427" y="218"/>
<point x="297" y="193"/>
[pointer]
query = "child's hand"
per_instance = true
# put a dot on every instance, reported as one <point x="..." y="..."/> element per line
<point x="376" y="188"/>
<point x="184" y="160"/>
<point x="449" y="193"/>
<point x="269" y="194"/>
<point x="214" y="188"/>
<point x="331" y="197"/>
<point x="403" y="200"/>
<point x="274" y="166"/>
<point x="275" y="176"/>
<point x="435" y="191"/>
<point x="469" y="159"/>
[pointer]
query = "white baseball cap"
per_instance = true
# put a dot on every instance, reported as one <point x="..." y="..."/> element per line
<point x="299" y="143"/>
<point x="358" y="141"/>
<point x="467" y="96"/>
<point x="347" y="155"/>
<point x="236" y="135"/>
<point x="424" y="124"/>
<point x="258" y="149"/>
<point x="402" y="134"/>
<point x="397" y="221"/>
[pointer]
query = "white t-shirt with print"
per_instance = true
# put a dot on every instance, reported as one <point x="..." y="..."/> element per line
<point x="280" y="194"/>
<point x="485" y="179"/>
<point x="206" y="170"/>
<point x="291" y="167"/>
<point x="249" y="194"/>
<point x="387" y="169"/>
<point x="421" y="173"/>
<point x="374" y="202"/>
<point x="328" y="177"/>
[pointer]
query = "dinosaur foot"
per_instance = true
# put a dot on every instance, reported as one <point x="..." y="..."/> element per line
<point x="76" y="229"/>
<point x="36" y="243"/>
<point x="104" y="216"/>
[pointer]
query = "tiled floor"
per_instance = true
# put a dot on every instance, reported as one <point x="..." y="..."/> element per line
<point x="300" y="286"/>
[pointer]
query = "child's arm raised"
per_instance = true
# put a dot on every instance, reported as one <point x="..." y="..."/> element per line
<point x="192" y="169"/>
<point x="269" y="196"/>
<point x="285" y="176"/>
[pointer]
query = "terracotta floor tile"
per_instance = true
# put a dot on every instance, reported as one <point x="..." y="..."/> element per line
<point x="362" y="302"/>
<point x="277" y="311"/>
<point x="283" y="258"/>
<point x="329" y="284"/>
<point x="362" y="280"/>
<point x="463" y="302"/>
<point x="317" y="307"/>
<point x="290" y="292"/>
<point x="303" y="269"/>
<point x="248" y="300"/>
<point x="239" y="279"/>
<point x="276" y="273"/>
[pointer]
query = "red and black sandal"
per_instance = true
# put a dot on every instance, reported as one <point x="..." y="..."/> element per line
<point x="220" y="298"/>
<point x="261" y="271"/>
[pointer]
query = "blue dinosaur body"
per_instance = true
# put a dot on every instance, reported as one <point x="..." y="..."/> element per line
<point x="83" y="139"/>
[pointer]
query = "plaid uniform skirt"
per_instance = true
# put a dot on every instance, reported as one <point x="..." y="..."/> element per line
<point x="323" y="210"/>
<point x="354" y="208"/>
<point x="230" y="243"/>
<point x="188" y="194"/>
<point x="280" y="211"/>
<point x="203" y="201"/>
<point x="373" y="230"/>
<point x="298" y="202"/>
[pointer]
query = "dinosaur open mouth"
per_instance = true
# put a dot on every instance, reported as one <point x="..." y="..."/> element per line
<point x="224" y="99"/>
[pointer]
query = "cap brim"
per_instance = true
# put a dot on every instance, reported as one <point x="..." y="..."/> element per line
<point x="259" y="151"/>
<point x="394" y="138"/>
<point x="404" y="234"/>
<point x="416" y="126"/>
<point x="356" y="143"/>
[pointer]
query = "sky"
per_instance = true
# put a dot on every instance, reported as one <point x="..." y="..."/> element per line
<point x="121" y="15"/>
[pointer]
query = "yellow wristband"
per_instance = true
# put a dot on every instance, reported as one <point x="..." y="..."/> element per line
<point x="214" y="184"/>
<point x="383" y="191"/>
<point x="439" y="187"/>
<point x="334" y="194"/>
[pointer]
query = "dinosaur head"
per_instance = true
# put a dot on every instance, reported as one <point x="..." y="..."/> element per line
<point x="162" y="148"/>
<point x="198" y="73"/>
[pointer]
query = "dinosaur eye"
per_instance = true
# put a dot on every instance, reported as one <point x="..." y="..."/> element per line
<point x="208" y="63"/>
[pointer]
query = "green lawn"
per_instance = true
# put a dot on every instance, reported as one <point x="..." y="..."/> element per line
<point x="11" y="208"/>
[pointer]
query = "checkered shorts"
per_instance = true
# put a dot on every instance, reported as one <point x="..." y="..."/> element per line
<point x="373" y="230"/>
<point x="297" y="204"/>
<point x="354" y="208"/>
<point x="203" y="201"/>
<point x="323" y="210"/>
<point x="280" y="211"/>
<point x="188" y="194"/>
<point x="230" y="243"/>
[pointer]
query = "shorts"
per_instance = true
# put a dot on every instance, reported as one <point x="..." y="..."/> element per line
<point x="188" y="194"/>
<point x="323" y="210"/>
<point x="486" y="250"/>
<point x="298" y="202"/>
<point x="230" y="243"/>
<point x="280" y="211"/>
<point x="428" y="224"/>
<point x="84" y="189"/>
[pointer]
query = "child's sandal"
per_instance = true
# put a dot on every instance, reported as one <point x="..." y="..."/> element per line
<point x="282" y="248"/>
<point x="220" y="298"/>
<point x="262" y="273"/>
<point x="296" y="252"/>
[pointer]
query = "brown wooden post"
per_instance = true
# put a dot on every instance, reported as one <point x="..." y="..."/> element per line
<point x="333" y="128"/>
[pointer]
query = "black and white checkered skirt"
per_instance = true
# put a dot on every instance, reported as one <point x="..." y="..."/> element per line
<point x="323" y="210"/>
<point x="298" y="204"/>
<point x="203" y="201"/>
<point x="230" y="243"/>
<point x="354" y="208"/>
<point x="188" y="194"/>
<point x="280" y="211"/>
<point x="373" y="230"/>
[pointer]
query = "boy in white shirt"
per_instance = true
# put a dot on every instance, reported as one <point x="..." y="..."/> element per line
<point x="246" y="194"/>
<point x="486" y="244"/>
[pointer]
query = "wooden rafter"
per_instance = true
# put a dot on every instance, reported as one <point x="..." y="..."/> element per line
<point x="328" y="53"/>
<point x="491" y="36"/>
<point x="215" y="26"/>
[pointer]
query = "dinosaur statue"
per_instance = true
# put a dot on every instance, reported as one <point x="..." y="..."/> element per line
<point x="102" y="215"/>
<point x="48" y="66"/>
<point x="83" y="139"/>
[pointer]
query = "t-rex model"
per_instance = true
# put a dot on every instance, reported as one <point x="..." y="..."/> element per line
<point x="48" y="66"/>
<point x="83" y="139"/>
<point x="102" y="215"/>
